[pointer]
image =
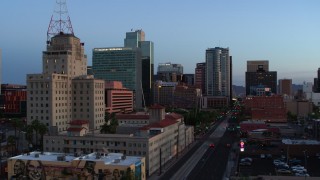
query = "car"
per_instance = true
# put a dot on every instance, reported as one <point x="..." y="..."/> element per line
<point x="285" y="171"/>
<point x="301" y="171"/>
<point x="211" y="145"/>
<point x="297" y="167"/>
<point x="245" y="163"/>
<point x="295" y="161"/>
<point x="262" y="156"/>
<point x="247" y="159"/>
<point x="269" y="156"/>
<point x="302" y="174"/>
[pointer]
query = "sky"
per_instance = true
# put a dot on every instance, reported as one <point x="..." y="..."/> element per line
<point x="285" y="32"/>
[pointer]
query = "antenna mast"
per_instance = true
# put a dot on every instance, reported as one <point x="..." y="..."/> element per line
<point x="60" y="21"/>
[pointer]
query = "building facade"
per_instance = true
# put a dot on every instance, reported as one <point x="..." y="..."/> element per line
<point x="285" y="87"/>
<point x="266" y="108"/>
<point x="13" y="100"/>
<point x="188" y="79"/>
<point x="117" y="98"/>
<point x="120" y="64"/>
<point x="260" y="77"/>
<point x="97" y="165"/>
<point x="170" y="72"/>
<point x="136" y="39"/>
<point x="200" y="76"/>
<point x="63" y="89"/>
<point x="156" y="132"/>
<point x="163" y="93"/>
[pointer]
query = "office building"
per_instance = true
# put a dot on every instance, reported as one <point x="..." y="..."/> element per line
<point x="199" y="77"/>
<point x="13" y="100"/>
<point x="163" y="92"/>
<point x="218" y="72"/>
<point x="154" y="131"/>
<point x="170" y="72"/>
<point x="64" y="91"/>
<point x="187" y="97"/>
<point x="316" y="86"/>
<point x="266" y="108"/>
<point x="120" y="64"/>
<point x="136" y="39"/>
<point x="188" y="79"/>
<point x="117" y="98"/>
<point x="258" y="75"/>
<point x="285" y="87"/>
<point x="97" y="165"/>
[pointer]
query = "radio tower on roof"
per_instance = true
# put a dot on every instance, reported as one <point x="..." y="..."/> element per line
<point x="60" y="21"/>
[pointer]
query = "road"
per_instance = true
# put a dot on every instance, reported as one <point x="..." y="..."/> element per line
<point x="185" y="165"/>
<point x="214" y="161"/>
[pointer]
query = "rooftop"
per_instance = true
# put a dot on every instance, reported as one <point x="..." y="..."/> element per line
<point x="107" y="159"/>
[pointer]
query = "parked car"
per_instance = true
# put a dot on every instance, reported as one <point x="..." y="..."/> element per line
<point x="248" y="159"/>
<point x="269" y="156"/>
<point x="245" y="163"/>
<point x="262" y="156"/>
<point x="302" y="174"/>
<point x="285" y="171"/>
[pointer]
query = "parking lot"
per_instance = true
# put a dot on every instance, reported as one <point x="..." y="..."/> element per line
<point x="265" y="166"/>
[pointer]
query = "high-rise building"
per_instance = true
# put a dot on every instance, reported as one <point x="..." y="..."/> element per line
<point x="133" y="38"/>
<point x="285" y="87"/>
<point x="316" y="86"/>
<point x="120" y="64"/>
<point x="199" y="77"/>
<point x="218" y="72"/>
<point x="136" y="39"/>
<point x="63" y="90"/>
<point x="170" y="72"/>
<point x="258" y="75"/>
<point x="147" y="59"/>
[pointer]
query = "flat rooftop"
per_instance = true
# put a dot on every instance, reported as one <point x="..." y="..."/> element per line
<point x="300" y="142"/>
<point x="107" y="159"/>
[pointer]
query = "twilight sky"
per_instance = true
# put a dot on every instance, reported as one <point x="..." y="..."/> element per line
<point x="285" y="32"/>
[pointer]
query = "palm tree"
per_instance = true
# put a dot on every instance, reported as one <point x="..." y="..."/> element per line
<point x="43" y="129"/>
<point x="35" y="125"/>
<point x="29" y="134"/>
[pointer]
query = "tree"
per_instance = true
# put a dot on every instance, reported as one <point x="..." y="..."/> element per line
<point x="110" y="125"/>
<point x="35" y="126"/>
<point x="43" y="129"/>
<point x="29" y="134"/>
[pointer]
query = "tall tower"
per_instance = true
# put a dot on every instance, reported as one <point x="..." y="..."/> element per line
<point x="64" y="91"/>
<point x="218" y="72"/>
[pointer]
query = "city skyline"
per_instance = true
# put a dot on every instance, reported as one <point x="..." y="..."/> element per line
<point x="281" y="32"/>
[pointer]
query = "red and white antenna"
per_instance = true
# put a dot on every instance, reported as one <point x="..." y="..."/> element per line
<point x="60" y="21"/>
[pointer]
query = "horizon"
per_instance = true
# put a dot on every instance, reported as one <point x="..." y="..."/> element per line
<point x="281" y="32"/>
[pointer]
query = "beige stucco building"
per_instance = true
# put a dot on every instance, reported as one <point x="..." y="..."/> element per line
<point x="97" y="165"/>
<point x="64" y="91"/>
<point x="160" y="133"/>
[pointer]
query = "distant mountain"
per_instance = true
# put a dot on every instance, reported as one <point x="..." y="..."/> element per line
<point x="239" y="90"/>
